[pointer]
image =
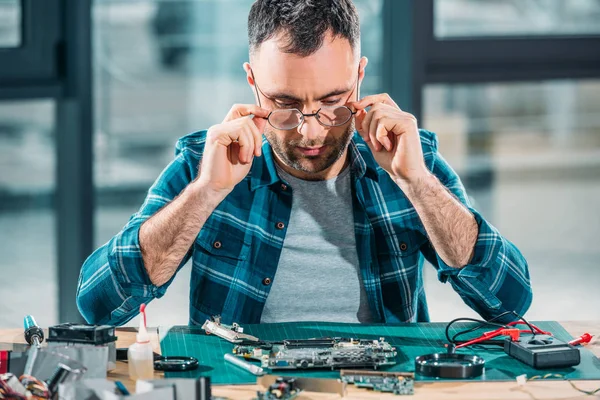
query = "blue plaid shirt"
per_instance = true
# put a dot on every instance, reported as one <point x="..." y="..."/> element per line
<point x="236" y="253"/>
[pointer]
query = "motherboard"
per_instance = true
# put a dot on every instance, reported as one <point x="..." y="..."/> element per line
<point x="331" y="353"/>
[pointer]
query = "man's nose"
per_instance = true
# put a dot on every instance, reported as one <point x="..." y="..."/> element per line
<point x="310" y="128"/>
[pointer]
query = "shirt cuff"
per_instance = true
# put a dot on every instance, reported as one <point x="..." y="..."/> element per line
<point x="127" y="265"/>
<point x="476" y="277"/>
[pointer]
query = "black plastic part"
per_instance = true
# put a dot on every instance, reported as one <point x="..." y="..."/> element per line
<point x="122" y="354"/>
<point x="175" y="363"/>
<point x="32" y="332"/>
<point x="543" y="351"/>
<point x="82" y="333"/>
<point x="450" y="366"/>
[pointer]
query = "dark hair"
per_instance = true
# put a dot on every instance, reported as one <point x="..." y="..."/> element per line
<point x="303" y="23"/>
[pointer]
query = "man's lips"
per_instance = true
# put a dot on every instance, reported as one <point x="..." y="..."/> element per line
<point x="312" y="151"/>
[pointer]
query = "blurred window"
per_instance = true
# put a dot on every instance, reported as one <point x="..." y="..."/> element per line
<point x="27" y="213"/>
<point x="529" y="154"/>
<point x="10" y="23"/>
<point x="467" y="18"/>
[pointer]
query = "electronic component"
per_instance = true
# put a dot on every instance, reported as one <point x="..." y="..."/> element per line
<point x="233" y="333"/>
<point x="92" y="345"/>
<point x="543" y="351"/>
<point x="82" y="333"/>
<point x="449" y="365"/>
<point x="398" y="383"/>
<point x="282" y="389"/>
<point x="321" y="353"/>
<point x="318" y="385"/>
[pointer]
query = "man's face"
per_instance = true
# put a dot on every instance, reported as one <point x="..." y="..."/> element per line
<point x="326" y="78"/>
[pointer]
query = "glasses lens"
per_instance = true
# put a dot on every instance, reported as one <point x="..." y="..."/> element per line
<point x="285" y="119"/>
<point x="334" y="116"/>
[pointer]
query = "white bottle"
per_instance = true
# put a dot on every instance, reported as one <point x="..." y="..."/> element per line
<point x="140" y="356"/>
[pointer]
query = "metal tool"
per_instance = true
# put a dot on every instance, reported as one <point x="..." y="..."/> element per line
<point x="253" y="369"/>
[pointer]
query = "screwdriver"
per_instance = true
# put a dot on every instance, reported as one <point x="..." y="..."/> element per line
<point x="34" y="335"/>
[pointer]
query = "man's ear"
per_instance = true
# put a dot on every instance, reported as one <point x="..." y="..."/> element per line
<point x="249" y="77"/>
<point x="362" y="65"/>
<point x="250" y="80"/>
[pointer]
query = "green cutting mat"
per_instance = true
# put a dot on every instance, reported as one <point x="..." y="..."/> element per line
<point x="410" y="340"/>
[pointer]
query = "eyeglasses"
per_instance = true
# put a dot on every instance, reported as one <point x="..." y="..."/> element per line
<point x="290" y="118"/>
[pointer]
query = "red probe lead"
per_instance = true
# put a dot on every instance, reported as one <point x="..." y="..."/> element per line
<point x="583" y="339"/>
<point x="514" y="333"/>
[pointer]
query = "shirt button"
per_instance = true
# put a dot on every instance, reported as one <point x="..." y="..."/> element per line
<point x="403" y="246"/>
<point x="217" y="245"/>
<point x="283" y="187"/>
<point x="266" y="281"/>
<point x="280" y="225"/>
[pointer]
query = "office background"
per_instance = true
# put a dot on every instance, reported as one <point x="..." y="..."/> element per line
<point x="94" y="94"/>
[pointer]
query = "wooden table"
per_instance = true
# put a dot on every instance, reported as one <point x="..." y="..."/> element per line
<point x="431" y="391"/>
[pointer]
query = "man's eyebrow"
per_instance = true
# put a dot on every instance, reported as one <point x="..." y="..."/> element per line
<point x="287" y="96"/>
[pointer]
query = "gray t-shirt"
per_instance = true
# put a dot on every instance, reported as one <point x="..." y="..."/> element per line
<point x="318" y="276"/>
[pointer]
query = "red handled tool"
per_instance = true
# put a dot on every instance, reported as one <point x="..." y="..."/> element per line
<point x="583" y="339"/>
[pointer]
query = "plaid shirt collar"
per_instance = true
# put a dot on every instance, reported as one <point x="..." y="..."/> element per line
<point x="264" y="173"/>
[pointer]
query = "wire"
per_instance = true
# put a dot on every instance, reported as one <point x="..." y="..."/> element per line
<point x="588" y="392"/>
<point x="482" y="323"/>
<point x="37" y="387"/>
<point x="490" y="322"/>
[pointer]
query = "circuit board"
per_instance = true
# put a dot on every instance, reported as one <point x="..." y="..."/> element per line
<point x="332" y="353"/>
<point x="398" y="383"/>
<point x="282" y="389"/>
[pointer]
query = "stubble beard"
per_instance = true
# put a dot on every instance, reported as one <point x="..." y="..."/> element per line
<point x="287" y="153"/>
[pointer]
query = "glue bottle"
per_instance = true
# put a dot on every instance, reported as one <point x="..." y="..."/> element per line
<point x="140" y="356"/>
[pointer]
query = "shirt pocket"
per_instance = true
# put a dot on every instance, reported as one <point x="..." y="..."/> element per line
<point x="219" y="259"/>
<point x="405" y="244"/>
<point x="399" y="257"/>
<point x="226" y="245"/>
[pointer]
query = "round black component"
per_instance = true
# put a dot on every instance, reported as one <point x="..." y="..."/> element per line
<point x="33" y="331"/>
<point x="451" y="366"/>
<point x="175" y="363"/>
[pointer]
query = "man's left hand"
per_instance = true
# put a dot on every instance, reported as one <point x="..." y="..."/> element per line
<point x="393" y="137"/>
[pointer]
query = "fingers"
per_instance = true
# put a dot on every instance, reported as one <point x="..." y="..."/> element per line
<point x="249" y="141"/>
<point x="242" y="110"/>
<point x="380" y="126"/>
<point x="246" y="145"/>
<point x="256" y="133"/>
<point x="369" y="101"/>
<point x="260" y="123"/>
<point x="370" y="128"/>
<point x="241" y="135"/>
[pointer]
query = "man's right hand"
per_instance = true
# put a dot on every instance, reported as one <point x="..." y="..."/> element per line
<point x="230" y="148"/>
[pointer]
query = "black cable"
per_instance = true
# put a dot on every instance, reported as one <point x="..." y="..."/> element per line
<point x="483" y="323"/>
<point x="490" y="320"/>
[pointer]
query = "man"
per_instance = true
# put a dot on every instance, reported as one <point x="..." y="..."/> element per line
<point x="315" y="221"/>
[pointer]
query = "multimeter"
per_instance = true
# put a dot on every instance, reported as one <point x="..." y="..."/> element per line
<point x="543" y="351"/>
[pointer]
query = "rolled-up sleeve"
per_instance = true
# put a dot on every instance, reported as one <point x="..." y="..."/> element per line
<point x="496" y="279"/>
<point x="113" y="281"/>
